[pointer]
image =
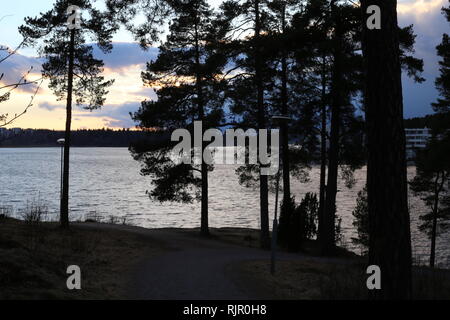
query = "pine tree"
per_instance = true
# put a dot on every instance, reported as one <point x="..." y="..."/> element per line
<point x="432" y="164"/>
<point x="443" y="81"/>
<point x="145" y="19"/>
<point x="279" y="36"/>
<point x="333" y="76"/>
<point x="248" y="88"/>
<point x="338" y="73"/>
<point x="390" y="238"/>
<point x="308" y="208"/>
<point x="70" y="66"/>
<point x="188" y="75"/>
<point x="432" y="184"/>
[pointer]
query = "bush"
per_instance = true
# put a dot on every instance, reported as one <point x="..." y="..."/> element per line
<point x="361" y="221"/>
<point x="34" y="212"/>
<point x="296" y="229"/>
<point x="285" y="223"/>
<point x="309" y="211"/>
<point x="5" y="212"/>
<point x="298" y="223"/>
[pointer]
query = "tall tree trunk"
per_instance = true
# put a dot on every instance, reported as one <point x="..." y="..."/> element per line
<point x="433" y="233"/>
<point x="390" y="239"/>
<point x="263" y="181"/>
<point x="284" y="110"/>
<point x="323" y="155"/>
<point x="204" y="225"/>
<point x="64" y="214"/>
<point x="328" y="239"/>
<point x="437" y="191"/>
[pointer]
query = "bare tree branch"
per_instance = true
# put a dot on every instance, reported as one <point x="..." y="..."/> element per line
<point x="30" y="104"/>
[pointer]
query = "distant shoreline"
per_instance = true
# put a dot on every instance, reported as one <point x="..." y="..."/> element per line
<point x="81" y="138"/>
<point x="409" y="163"/>
<point x="57" y="146"/>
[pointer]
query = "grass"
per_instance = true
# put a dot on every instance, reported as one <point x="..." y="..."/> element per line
<point x="237" y="236"/>
<point x="342" y="277"/>
<point x="313" y="279"/>
<point x="34" y="259"/>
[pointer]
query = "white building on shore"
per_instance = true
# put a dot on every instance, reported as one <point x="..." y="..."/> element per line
<point x="416" y="139"/>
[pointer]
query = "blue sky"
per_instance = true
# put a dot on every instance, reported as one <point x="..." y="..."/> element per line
<point x="128" y="60"/>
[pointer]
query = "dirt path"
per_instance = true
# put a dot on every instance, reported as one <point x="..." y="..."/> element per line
<point x="194" y="268"/>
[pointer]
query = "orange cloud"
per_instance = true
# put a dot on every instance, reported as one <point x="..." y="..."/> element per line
<point x="420" y="7"/>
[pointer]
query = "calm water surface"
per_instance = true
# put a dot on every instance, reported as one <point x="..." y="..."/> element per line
<point x="106" y="182"/>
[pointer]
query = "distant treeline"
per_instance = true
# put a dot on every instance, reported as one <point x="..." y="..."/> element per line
<point x="80" y="138"/>
<point x="437" y="120"/>
<point x="125" y="137"/>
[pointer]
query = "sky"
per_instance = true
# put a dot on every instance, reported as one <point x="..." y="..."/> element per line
<point x="127" y="60"/>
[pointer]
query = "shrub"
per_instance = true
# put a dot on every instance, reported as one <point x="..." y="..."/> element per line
<point x="34" y="212"/>
<point x="302" y="223"/>
<point x="5" y="212"/>
<point x="361" y="221"/>
<point x="285" y="223"/>
<point x="309" y="211"/>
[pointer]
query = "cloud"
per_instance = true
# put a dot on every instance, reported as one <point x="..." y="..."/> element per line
<point x="124" y="55"/>
<point x="124" y="64"/>
<point x="114" y="115"/>
<point x="50" y="106"/>
<point x="147" y="93"/>
<point x="419" y="7"/>
<point x="127" y="60"/>
<point x="429" y="25"/>
<point x="17" y="66"/>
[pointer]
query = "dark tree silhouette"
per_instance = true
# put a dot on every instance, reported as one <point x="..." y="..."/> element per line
<point x="390" y="239"/>
<point x="443" y="81"/>
<point x="79" y="138"/>
<point x="361" y="221"/>
<point x="291" y="94"/>
<point x="281" y="15"/>
<point x="248" y="85"/>
<point x="333" y="76"/>
<point x="262" y="121"/>
<point x="338" y="72"/>
<point x="432" y="184"/>
<point x="437" y="120"/>
<point x="189" y="72"/>
<point x="433" y="163"/>
<point x="336" y="94"/>
<point x="70" y="67"/>
<point x="145" y="19"/>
